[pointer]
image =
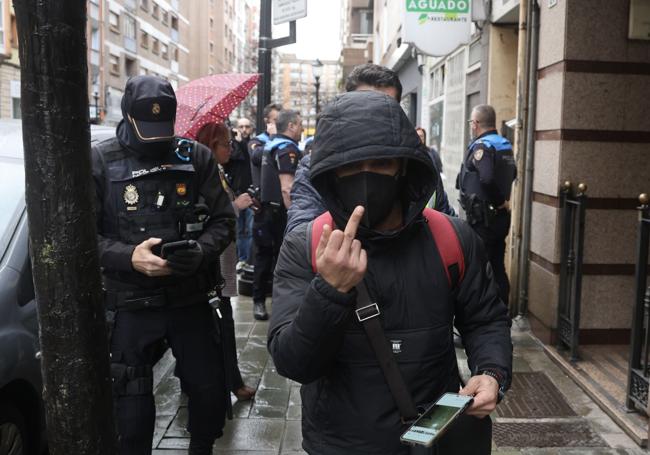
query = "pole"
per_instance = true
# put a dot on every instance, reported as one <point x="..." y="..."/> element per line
<point x="264" y="64"/>
<point x="62" y="229"/>
<point x="266" y="45"/>
<point x="97" y="116"/>
<point x="317" y="84"/>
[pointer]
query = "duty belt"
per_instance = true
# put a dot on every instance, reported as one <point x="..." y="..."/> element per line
<point x="184" y="294"/>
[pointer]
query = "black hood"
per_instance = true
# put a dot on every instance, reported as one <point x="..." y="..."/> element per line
<point x="366" y="125"/>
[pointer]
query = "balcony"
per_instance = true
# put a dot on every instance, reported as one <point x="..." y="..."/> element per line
<point x="358" y="40"/>
<point x="130" y="5"/>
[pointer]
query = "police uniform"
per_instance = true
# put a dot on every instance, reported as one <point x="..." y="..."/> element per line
<point x="281" y="156"/>
<point x="255" y="150"/>
<point x="166" y="189"/>
<point x="485" y="183"/>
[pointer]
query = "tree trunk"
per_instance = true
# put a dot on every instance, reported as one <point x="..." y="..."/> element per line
<point x="62" y="231"/>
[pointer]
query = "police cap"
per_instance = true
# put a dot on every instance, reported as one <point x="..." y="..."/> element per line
<point x="149" y="105"/>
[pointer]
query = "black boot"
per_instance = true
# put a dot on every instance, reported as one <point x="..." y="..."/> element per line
<point x="259" y="311"/>
<point x="200" y="448"/>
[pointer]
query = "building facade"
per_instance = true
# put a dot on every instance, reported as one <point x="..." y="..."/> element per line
<point x="140" y="37"/>
<point x="356" y="34"/>
<point x="294" y="86"/>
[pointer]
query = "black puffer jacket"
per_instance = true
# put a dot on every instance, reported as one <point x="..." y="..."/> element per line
<point x="313" y="336"/>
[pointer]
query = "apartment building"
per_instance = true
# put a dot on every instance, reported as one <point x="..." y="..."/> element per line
<point x="139" y="37"/>
<point x="356" y="34"/>
<point x="294" y="86"/>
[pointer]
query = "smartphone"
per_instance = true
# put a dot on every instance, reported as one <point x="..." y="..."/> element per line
<point x="436" y="420"/>
<point x="169" y="248"/>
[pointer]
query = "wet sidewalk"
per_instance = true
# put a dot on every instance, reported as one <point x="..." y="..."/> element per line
<point x="545" y="413"/>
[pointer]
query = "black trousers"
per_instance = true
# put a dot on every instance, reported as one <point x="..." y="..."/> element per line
<point x="494" y="239"/>
<point x="268" y="233"/>
<point x="190" y="333"/>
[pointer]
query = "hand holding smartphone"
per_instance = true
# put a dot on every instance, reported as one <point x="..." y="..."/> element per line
<point x="436" y="420"/>
<point x="170" y="248"/>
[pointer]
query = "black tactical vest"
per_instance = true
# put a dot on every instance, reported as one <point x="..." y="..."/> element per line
<point x="147" y="197"/>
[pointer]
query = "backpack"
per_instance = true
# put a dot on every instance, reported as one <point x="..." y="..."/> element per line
<point x="442" y="231"/>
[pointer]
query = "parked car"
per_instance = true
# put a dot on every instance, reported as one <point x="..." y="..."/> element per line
<point x="22" y="420"/>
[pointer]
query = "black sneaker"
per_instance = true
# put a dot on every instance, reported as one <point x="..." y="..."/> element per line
<point x="259" y="311"/>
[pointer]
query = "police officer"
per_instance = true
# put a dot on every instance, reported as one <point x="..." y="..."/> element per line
<point x="279" y="162"/>
<point x="153" y="189"/>
<point x="485" y="182"/>
<point x="256" y="145"/>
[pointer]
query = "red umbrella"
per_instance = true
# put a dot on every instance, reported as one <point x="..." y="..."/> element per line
<point x="210" y="99"/>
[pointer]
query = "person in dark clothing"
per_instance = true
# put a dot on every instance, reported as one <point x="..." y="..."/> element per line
<point x="256" y="144"/>
<point x="437" y="162"/>
<point x="151" y="189"/>
<point x="375" y="186"/>
<point x="278" y="166"/>
<point x="238" y="169"/>
<point x="306" y="202"/>
<point x="485" y="183"/>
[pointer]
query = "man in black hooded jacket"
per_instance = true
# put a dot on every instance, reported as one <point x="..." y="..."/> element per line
<point x="315" y="337"/>
<point x="152" y="188"/>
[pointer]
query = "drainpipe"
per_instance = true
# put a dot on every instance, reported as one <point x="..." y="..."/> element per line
<point x="527" y="202"/>
<point x="523" y="45"/>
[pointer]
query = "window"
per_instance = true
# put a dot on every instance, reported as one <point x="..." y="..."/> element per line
<point x="144" y="40"/>
<point x="211" y="22"/>
<point x="175" y="55"/>
<point x="130" y="67"/>
<point x="156" y="11"/>
<point x="164" y="50"/>
<point x="129" y="34"/>
<point x="14" y="88"/>
<point x="156" y="46"/>
<point x="129" y="27"/>
<point x="165" y="17"/>
<point x="114" y="21"/>
<point x="114" y="62"/>
<point x="144" y="4"/>
<point x="211" y="47"/>
<point x="174" y="26"/>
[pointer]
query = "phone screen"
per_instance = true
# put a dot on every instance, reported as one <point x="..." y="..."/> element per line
<point x="435" y="420"/>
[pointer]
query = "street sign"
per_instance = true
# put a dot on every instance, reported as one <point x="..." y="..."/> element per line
<point x="437" y="27"/>
<point x="288" y="10"/>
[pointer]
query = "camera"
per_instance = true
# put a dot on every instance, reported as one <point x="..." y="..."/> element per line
<point x="254" y="192"/>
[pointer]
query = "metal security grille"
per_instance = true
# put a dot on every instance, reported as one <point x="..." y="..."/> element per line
<point x="561" y="434"/>
<point x="533" y="395"/>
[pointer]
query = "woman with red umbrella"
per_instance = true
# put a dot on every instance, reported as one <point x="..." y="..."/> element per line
<point x="216" y="136"/>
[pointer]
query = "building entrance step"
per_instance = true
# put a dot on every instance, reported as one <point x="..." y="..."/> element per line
<point x="602" y="373"/>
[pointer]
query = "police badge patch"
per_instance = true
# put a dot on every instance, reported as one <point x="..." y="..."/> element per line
<point x="478" y="154"/>
<point x="131" y="196"/>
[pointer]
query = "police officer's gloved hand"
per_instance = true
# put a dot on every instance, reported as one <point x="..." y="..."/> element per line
<point x="186" y="262"/>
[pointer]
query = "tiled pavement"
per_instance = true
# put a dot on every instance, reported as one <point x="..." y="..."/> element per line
<point x="270" y="424"/>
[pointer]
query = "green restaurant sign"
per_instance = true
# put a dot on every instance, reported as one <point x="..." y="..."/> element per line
<point x="437" y="6"/>
<point x="437" y="27"/>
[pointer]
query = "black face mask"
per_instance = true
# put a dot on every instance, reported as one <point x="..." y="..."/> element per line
<point x="129" y="139"/>
<point x="377" y="193"/>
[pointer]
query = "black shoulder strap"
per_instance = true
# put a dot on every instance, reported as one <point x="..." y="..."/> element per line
<point x="368" y="314"/>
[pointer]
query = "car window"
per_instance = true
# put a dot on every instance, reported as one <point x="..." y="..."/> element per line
<point x="12" y="202"/>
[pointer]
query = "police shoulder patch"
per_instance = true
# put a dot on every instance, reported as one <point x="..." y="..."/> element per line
<point x="478" y="155"/>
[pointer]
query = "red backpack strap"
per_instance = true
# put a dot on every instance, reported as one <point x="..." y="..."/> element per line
<point x="316" y="232"/>
<point x="446" y="238"/>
